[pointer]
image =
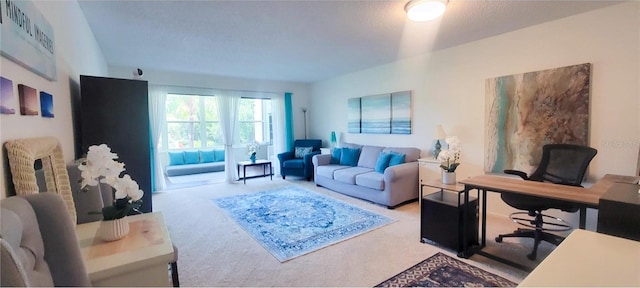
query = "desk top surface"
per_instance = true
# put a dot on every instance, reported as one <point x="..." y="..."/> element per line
<point x="589" y="259"/>
<point x="147" y="243"/>
<point x="588" y="196"/>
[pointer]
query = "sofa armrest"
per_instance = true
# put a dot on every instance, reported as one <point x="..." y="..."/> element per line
<point x="407" y="172"/>
<point x="284" y="156"/>
<point x="321" y="159"/>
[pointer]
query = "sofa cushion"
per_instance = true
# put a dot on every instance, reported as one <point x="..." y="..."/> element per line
<point x="191" y="157"/>
<point x="383" y="162"/>
<point x="348" y="175"/>
<point x="369" y="156"/>
<point x="335" y="156"/>
<point x="294" y="163"/>
<point x="349" y="156"/>
<point x="373" y="180"/>
<point x="301" y="151"/>
<point x="396" y="158"/>
<point x="327" y="170"/>
<point x="176" y="158"/>
<point x="207" y="156"/>
<point x="218" y="154"/>
<point x="411" y="154"/>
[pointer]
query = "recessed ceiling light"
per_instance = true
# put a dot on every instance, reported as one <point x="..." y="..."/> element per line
<point x="425" y="10"/>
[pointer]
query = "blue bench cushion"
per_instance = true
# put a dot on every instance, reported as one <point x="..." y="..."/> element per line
<point x="176" y="158"/>
<point x="191" y="157"/>
<point x="207" y="156"/>
<point x="219" y="154"/>
<point x="194" y="168"/>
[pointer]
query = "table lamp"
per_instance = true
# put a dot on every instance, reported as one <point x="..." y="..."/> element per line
<point x="439" y="134"/>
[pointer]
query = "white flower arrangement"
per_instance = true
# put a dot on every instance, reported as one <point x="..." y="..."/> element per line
<point x="100" y="167"/>
<point x="449" y="158"/>
<point x="253" y="148"/>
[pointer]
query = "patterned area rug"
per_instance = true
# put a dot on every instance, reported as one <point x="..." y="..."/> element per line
<point x="441" y="270"/>
<point x="292" y="221"/>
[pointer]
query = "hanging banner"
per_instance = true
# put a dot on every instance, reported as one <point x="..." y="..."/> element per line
<point x="27" y="38"/>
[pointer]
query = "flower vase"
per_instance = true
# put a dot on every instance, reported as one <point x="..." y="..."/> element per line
<point x="112" y="230"/>
<point x="448" y="178"/>
<point x="253" y="157"/>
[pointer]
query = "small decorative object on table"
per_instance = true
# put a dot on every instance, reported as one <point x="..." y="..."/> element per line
<point x="449" y="160"/>
<point x="253" y="149"/>
<point x="100" y="167"/>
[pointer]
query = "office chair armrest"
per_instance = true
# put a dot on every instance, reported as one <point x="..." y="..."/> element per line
<point x="518" y="173"/>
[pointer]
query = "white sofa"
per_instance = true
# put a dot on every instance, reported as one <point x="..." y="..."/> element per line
<point x="397" y="185"/>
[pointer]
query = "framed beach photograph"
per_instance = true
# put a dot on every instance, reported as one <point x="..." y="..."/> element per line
<point x="353" y="115"/>
<point x="401" y="112"/>
<point x="46" y="104"/>
<point x="28" y="100"/>
<point x="376" y="114"/>
<point x="7" y="100"/>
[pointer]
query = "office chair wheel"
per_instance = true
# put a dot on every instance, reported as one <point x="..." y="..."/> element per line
<point x="531" y="256"/>
<point x="499" y="239"/>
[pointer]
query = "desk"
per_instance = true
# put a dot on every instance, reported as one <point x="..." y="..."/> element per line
<point x="245" y="164"/>
<point x="589" y="259"/>
<point x="139" y="259"/>
<point x="583" y="197"/>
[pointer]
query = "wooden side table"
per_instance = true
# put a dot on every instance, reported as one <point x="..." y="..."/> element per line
<point x="139" y="259"/>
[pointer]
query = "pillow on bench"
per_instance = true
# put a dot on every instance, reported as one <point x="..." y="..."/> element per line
<point x="176" y="158"/>
<point x="191" y="157"/>
<point x="207" y="156"/>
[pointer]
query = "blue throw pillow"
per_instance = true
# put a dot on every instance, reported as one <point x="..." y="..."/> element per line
<point x="336" y="154"/>
<point x="207" y="156"/>
<point x="301" y="151"/>
<point x="176" y="158"/>
<point x="191" y="157"/>
<point x="383" y="162"/>
<point x="350" y="156"/>
<point x="219" y="154"/>
<point x="396" y="158"/>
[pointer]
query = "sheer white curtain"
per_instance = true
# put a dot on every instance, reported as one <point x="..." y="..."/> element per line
<point x="279" y="142"/>
<point x="157" y="117"/>
<point x="228" y="103"/>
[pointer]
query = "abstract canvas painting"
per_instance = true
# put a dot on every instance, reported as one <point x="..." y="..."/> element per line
<point x="376" y="114"/>
<point x="6" y="96"/>
<point x="353" y="115"/>
<point x="525" y="111"/>
<point x="401" y="112"/>
<point x="28" y="100"/>
<point x="46" y="104"/>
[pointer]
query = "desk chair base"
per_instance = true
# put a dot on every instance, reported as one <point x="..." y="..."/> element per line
<point x="537" y="233"/>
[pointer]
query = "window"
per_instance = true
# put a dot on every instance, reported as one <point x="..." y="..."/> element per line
<point x="192" y="122"/>
<point x="255" y="121"/>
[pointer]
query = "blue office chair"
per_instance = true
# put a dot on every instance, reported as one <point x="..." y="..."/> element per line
<point x="299" y="164"/>
<point x="564" y="164"/>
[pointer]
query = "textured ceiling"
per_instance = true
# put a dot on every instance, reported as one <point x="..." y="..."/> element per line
<point x="302" y="41"/>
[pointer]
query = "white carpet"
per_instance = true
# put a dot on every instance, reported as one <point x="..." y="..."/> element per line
<point x="215" y="251"/>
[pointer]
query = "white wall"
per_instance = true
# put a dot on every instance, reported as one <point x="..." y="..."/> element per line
<point x="77" y="52"/>
<point x="448" y="87"/>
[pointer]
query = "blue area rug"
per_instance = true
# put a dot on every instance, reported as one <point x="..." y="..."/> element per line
<point x="292" y="221"/>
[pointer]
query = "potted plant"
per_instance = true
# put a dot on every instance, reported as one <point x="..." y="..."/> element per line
<point x="450" y="160"/>
<point x="100" y="167"/>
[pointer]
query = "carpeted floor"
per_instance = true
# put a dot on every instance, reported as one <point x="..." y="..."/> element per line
<point x="216" y="251"/>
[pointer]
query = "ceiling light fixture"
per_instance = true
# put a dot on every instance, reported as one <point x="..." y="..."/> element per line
<point x="425" y="10"/>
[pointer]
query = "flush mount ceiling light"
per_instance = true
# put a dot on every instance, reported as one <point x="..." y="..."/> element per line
<point x="425" y="10"/>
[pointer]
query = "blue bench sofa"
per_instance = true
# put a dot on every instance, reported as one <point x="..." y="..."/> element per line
<point x="194" y="162"/>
